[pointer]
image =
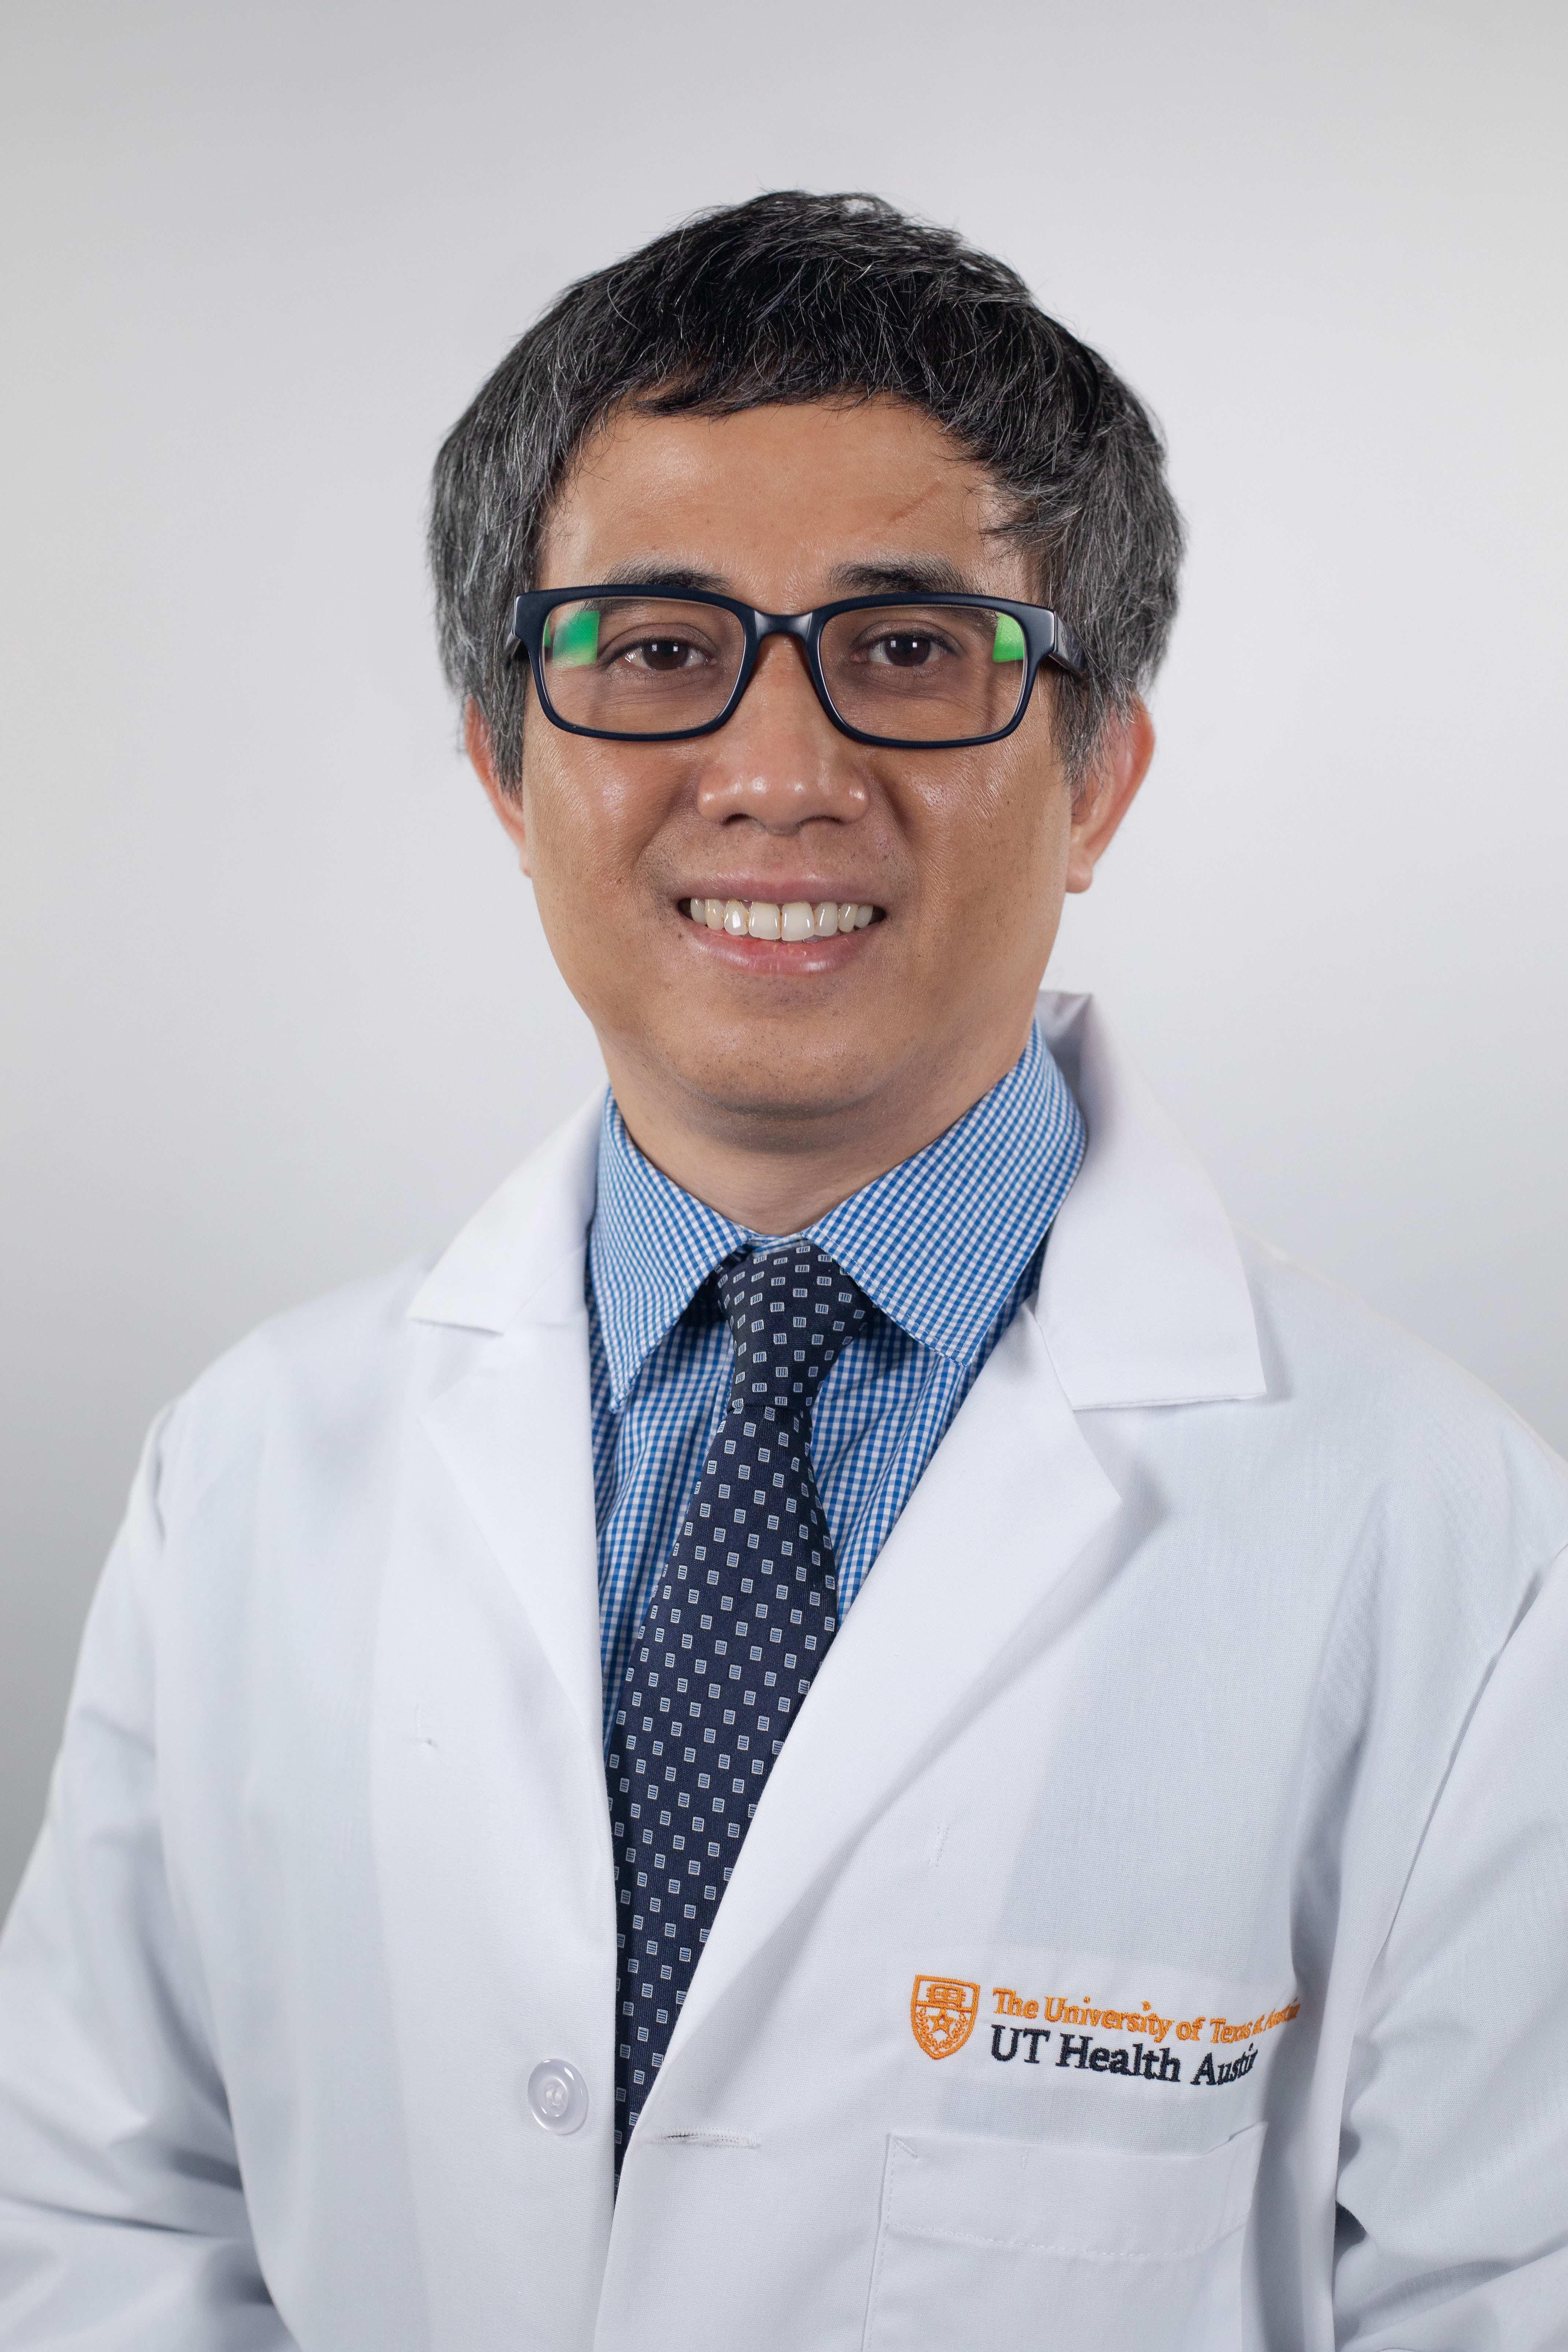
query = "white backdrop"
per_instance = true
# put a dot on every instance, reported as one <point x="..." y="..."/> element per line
<point x="277" y="1009"/>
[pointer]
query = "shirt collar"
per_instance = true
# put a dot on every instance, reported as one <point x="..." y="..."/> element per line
<point x="651" y="1248"/>
<point x="938" y="1242"/>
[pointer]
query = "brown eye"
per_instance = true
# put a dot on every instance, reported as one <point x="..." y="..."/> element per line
<point x="904" y="652"/>
<point x="663" y="654"/>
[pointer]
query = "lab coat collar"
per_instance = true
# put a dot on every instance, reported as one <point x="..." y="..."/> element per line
<point x="515" y="1429"/>
<point x="520" y="1260"/>
<point x="1143" y="1299"/>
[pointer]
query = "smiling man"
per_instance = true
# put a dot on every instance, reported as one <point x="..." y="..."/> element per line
<point x="804" y="882"/>
<point x="850" y="1725"/>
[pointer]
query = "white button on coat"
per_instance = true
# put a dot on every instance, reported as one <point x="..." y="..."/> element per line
<point x="558" y="2096"/>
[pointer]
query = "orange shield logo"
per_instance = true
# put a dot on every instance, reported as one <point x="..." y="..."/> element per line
<point x="942" y="2011"/>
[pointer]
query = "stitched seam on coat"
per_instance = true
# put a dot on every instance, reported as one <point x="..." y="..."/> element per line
<point x="704" y="2139"/>
<point x="1049" y="2246"/>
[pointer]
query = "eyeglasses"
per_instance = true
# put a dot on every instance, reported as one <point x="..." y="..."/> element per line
<point x="658" y="665"/>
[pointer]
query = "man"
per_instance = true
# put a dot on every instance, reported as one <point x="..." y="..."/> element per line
<point x="850" y="1723"/>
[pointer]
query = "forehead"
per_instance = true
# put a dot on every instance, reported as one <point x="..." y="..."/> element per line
<point x="777" y="499"/>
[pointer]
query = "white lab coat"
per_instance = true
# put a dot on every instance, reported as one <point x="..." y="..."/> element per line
<point x="1208" y="1696"/>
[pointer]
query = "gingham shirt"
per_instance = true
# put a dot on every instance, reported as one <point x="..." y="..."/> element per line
<point x="947" y="1246"/>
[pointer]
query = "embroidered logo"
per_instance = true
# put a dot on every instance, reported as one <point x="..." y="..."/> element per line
<point x="942" y="2010"/>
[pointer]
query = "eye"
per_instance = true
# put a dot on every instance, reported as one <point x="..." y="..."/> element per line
<point x="663" y="656"/>
<point x="906" y="648"/>
<point x="903" y="650"/>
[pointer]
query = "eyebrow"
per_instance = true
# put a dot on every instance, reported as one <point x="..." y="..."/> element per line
<point x="640" y="571"/>
<point x="912" y="576"/>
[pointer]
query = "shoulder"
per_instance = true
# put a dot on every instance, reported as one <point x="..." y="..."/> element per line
<point x="317" y="1379"/>
<point x="319" y="1390"/>
<point x="1387" y="1422"/>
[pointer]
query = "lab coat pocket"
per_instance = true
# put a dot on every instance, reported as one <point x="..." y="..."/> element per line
<point x="999" y="2245"/>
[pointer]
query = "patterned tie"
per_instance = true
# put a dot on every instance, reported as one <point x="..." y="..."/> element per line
<point x="737" y="1629"/>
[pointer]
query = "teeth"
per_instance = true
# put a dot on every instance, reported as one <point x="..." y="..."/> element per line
<point x="764" y="919"/>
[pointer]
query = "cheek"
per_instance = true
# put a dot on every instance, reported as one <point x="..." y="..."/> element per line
<point x="577" y="819"/>
<point x="1001" y="837"/>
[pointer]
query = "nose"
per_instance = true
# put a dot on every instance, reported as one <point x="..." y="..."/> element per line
<point x="779" y="759"/>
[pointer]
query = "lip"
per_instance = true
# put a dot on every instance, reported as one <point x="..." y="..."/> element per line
<point x="769" y="959"/>
<point x="780" y="893"/>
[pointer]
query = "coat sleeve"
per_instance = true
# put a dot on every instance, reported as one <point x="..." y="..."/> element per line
<point x="1454" y="2175"/>
<point x="122" y="2216"/>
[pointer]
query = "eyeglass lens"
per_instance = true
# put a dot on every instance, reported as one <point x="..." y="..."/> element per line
<point x="652" y="665"/>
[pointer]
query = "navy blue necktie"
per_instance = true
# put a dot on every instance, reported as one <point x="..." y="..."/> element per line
<point x="738" y="1627"/>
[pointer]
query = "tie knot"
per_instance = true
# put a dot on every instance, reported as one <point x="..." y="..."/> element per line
<point x="790" y="1313"/>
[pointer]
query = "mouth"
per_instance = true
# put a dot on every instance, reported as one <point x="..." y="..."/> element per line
<point x="795" y="920"/>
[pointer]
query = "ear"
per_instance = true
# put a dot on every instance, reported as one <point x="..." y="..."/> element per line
<point x="507" y="804"/>
<point x="1108" y="792"/>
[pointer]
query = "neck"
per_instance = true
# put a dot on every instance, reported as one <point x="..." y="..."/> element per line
<point x="777" y="1169"/>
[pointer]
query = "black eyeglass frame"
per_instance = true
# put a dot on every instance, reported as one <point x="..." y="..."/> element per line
<point x="1047" y="638"/>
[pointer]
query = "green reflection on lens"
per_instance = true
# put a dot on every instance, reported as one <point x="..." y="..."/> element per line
<point x="1009" y="643"/>
<point x="576" y="642"/>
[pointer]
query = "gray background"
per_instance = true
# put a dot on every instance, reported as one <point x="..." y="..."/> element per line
<point x="277" y="1009"/>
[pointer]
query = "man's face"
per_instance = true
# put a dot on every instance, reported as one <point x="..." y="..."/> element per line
<point x="964" y="854"/>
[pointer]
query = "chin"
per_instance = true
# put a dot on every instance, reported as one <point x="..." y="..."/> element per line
<point x="761" y="1080"/>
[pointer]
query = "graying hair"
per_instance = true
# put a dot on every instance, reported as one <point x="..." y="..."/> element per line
<point x="793" y="297"/>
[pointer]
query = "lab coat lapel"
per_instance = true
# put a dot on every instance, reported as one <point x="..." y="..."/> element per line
<point x="515" y="1432"/>
<point x="515" y="1436"/>
<point x="1010" y="1500"/>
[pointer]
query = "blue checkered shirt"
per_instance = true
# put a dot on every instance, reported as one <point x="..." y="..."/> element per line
<point x="947" y="1245"/>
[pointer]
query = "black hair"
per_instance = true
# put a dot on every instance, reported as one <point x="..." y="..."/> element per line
<point x="793" y="298"/>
